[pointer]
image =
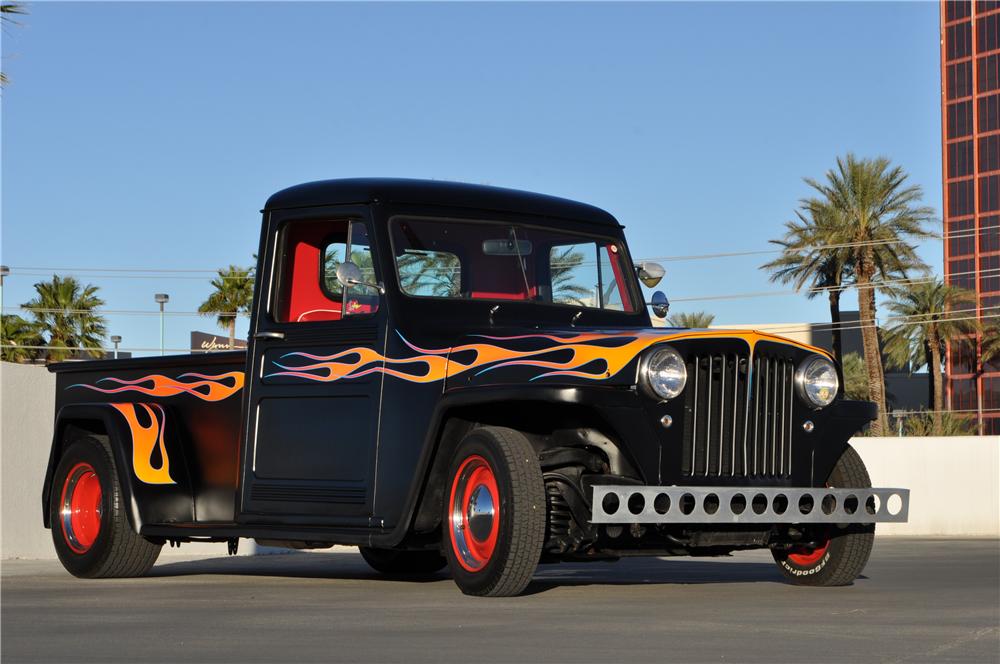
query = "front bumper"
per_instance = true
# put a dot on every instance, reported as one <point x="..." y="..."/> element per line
<point x="614" y="504"/>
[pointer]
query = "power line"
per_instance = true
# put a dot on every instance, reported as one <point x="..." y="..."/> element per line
<point x="207" y="271"/>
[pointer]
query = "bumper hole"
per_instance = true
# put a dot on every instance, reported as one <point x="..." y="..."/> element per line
<point x="759" y="504"/>
<point x="711" y="503"/>
<point x="806" y="504"/>
<point x="738" y="503"/>
<point x="872" y="504"/>
<point x="610" y="504"/>
<point x="894" y="504"/>
<point x="661" y="503"/>
<point x="829" y="504"/>
<point x="780" y="504"/>
<point x="851" y="504"/>
<point x="636" y="503"/>
<point x="687" y="503"/>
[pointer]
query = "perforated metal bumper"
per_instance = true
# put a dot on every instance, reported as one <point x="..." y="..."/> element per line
<point x="673" y="504"/>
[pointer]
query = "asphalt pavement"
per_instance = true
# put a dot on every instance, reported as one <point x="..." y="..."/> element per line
<point x="918" y="601"/>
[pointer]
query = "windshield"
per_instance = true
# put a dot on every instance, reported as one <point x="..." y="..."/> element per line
<point x="496" y="261"/>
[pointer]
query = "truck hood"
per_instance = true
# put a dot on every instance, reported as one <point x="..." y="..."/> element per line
<point x="535" y="356"/>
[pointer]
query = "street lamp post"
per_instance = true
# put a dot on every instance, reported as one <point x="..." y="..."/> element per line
<point x="4" y="271"/>
<point x="116" y="339"/>
<point x="161" y="299"/>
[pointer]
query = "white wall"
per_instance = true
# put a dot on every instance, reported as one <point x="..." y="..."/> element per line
<point x="953" y="481"/>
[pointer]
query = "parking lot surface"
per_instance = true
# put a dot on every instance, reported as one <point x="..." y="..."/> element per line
<point x="918" y="601"/>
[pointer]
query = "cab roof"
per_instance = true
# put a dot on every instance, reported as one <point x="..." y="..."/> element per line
<point x="437" y="193"/>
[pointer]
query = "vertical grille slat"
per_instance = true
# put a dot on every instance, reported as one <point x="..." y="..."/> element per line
<point x="739" y="412"/>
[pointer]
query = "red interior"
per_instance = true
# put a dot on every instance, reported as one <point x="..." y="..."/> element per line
<point x="303" y="299"/>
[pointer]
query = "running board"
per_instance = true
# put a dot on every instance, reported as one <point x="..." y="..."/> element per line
<point x="685" y="504"/>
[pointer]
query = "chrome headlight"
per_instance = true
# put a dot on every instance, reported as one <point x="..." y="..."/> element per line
<point x="663" y="373"/>
<point x="816" y="381"/>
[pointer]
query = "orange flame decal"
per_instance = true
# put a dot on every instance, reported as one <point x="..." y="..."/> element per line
<point x="591" y="356"/>
<point x="146" y="440"/>
<point x="206" y="388"/>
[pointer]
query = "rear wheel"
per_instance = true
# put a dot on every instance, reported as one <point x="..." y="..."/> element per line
<point x="494" y="513"/>
<point x="839" y="555"/>
<point x="90" y="529"/>
<point x="393" y="561"/>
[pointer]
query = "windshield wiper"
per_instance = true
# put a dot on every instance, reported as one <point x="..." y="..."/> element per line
<point x="520" y="263"/>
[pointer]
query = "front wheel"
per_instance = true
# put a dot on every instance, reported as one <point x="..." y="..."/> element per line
<point x="90" y="529"/>
<point x="494" y="513"/>
<point x="839" y="554"/>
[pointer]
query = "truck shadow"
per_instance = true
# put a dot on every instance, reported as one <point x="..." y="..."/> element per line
<point x="350" y="566"/>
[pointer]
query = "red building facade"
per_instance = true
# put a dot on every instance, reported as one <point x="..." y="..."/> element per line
<point x="970" y="118"/>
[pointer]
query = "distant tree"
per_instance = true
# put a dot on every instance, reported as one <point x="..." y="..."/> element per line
<point x="946" y="424"/>
<point x="879" y="213"/>
<point x="7" y="11"/>
<point x="928" y="317"/>
<point x="233" y="295"/>
<point x="16" y="339"/>
<point x="811" y="258"/>
<point x="694" y="320"/>
<point x="989" y="352"/>
<point x="64" y="312"/>
<point x="855" y="377"/>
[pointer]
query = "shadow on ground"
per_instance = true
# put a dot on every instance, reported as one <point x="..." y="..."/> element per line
<point x="347" y="566"/>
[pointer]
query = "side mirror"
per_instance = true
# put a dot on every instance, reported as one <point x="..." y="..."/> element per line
<point x="650" y="274"/>
<point x="349" y="274"/>
<point x="660" y="304"/>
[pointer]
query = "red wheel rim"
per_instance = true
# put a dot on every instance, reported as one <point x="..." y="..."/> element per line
<point x="80" y="511"/>
<point x="808" y="558"/>
<point x="474" y="514"/>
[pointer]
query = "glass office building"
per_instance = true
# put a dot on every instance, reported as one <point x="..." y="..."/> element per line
<point x="970" y="114"/>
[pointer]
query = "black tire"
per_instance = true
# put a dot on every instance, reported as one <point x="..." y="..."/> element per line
<point x="849" y="547"/>
<point x="115" y="550"/>
<point x="508" y="555"/>
<point x="401" y="563"/>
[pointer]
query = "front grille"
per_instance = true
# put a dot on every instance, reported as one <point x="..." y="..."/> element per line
<point x="738" y="422"/>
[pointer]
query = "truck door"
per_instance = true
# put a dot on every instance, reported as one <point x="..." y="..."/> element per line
<point x="316" y="354"/>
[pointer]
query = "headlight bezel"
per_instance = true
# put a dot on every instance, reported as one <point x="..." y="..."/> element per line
<point x="802" y="387"/>
<point x="649" y="359"/>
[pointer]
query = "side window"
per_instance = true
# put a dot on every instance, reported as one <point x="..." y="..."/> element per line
<point x="307" y="288"/>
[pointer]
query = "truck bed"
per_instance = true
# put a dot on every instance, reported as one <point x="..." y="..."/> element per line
<point x="182" y="413"/>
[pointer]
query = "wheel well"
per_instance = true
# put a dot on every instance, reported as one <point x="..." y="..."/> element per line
<point x="546" y="425"/>
<point x="67" y="430"/>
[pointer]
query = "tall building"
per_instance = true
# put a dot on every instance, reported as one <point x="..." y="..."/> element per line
<point x="970" y="118"/>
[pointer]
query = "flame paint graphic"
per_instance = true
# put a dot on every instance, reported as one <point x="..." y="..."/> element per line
<point x="605" y="354"/>
<point x="206" y="388"/>
<point x="145" y="440"/>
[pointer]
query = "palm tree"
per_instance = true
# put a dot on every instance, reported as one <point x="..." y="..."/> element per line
<point x="812" y="259"/>
<point x="6" y="10"/>
<point x="232" y="296"/>
<point x="878" y="213"/>
<point x="18" y="335"/>
<point x="989" y="351"/>
<point x="695" y="320"/>
<point x="64" y="311"/>
<point x="929" y="316"/>
<point x="564" y="274"/>
<point x="855" y="377"/>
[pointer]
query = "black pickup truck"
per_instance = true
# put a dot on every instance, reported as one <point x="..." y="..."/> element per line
<point x="448" y="374"/>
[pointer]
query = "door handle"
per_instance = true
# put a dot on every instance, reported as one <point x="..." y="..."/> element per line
<point x="269" y="335"/>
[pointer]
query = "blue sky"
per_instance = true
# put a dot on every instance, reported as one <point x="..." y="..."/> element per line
<point x="148" y="135"/>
